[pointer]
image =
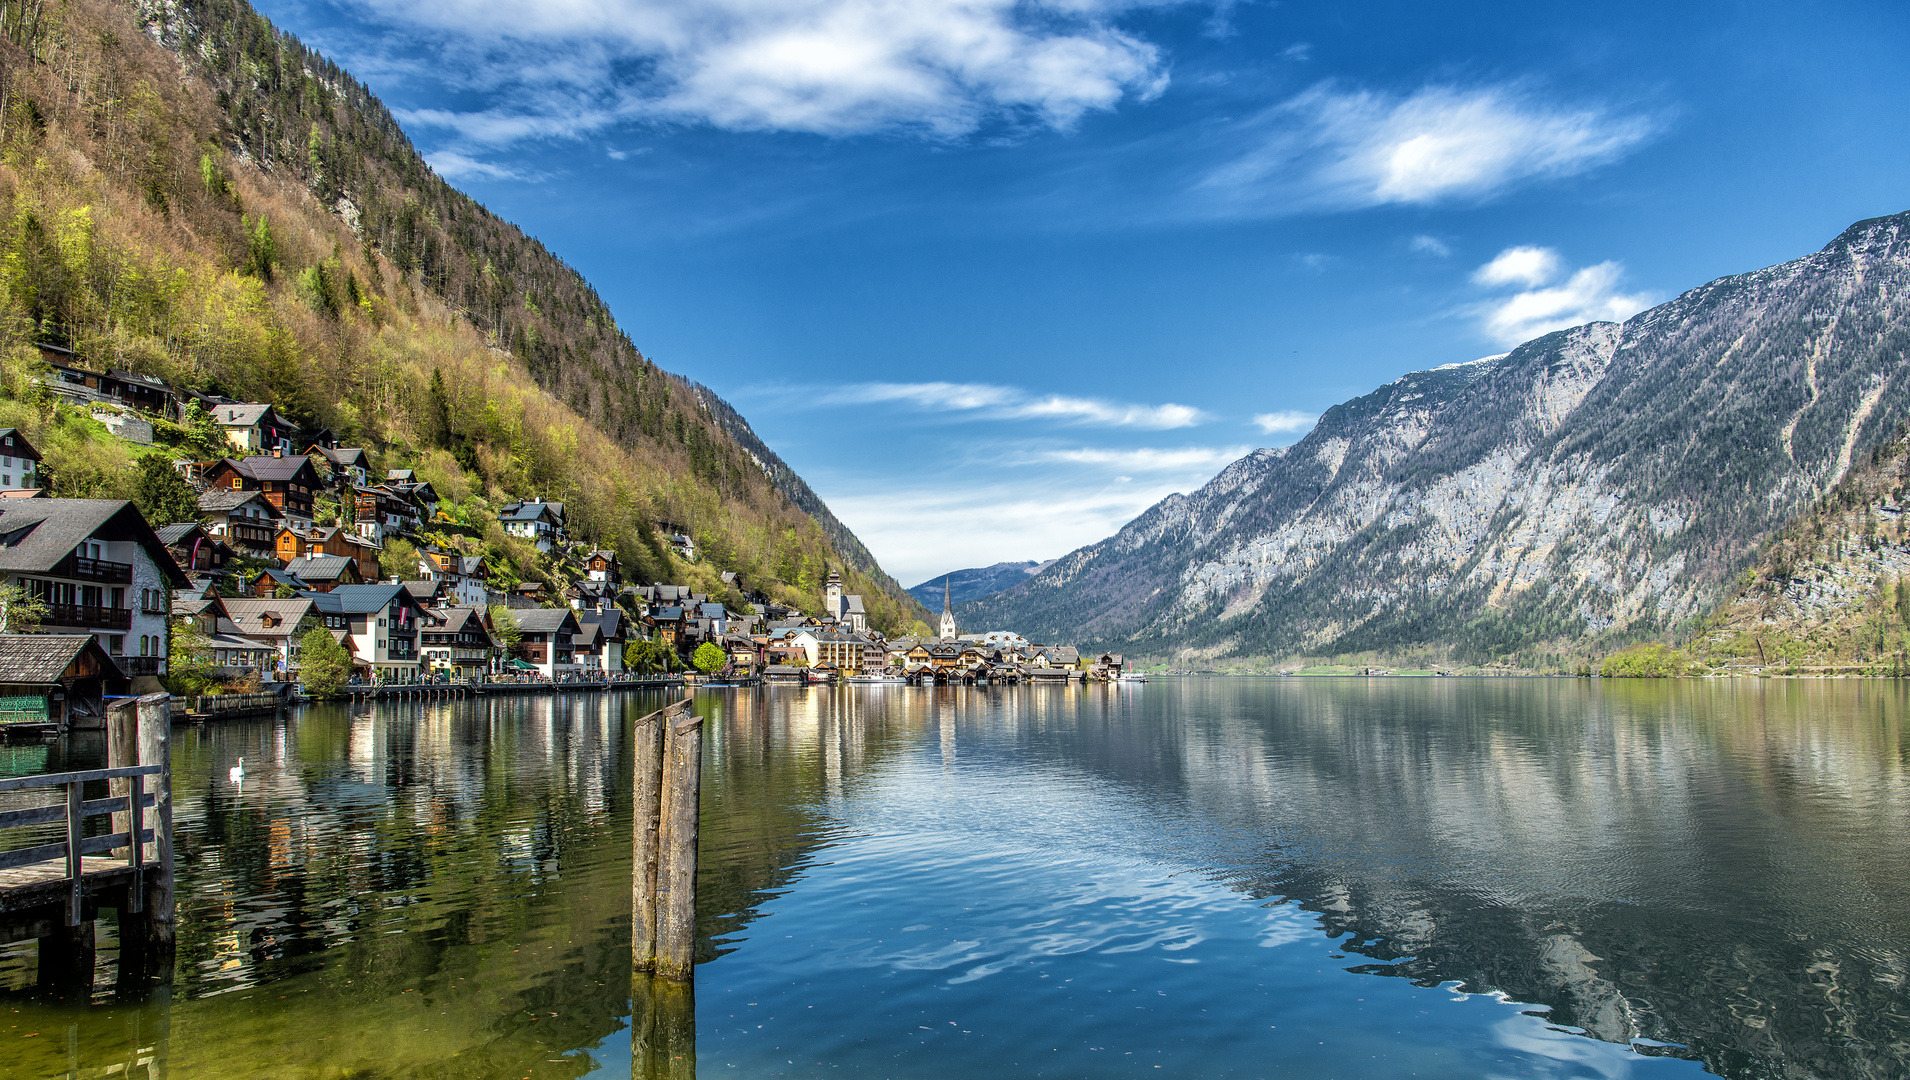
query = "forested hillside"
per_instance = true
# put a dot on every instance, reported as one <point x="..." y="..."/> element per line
<point x="1831" y="591"/>
<point x="1595" y="485"/>
<point x="191" y="194"/>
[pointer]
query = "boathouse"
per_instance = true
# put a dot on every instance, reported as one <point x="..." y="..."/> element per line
<point x="51" y="678"/>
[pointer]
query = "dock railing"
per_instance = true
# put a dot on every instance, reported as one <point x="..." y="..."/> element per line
<point x="74" y="809"/>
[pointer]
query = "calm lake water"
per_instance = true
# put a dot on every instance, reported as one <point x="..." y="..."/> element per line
<point x="1218" y="878"/>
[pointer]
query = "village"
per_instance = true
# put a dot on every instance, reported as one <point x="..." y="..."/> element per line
<point x="293" y="531"/>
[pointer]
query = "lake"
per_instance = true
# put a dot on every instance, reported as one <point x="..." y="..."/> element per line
<point x="1194" y="877"/>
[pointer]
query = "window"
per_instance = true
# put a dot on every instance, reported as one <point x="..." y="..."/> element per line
<point x="145" y="642"/>
<point x="237" y="483"/>
<point x="116" y="643"/>
<point x="119" y="598"/>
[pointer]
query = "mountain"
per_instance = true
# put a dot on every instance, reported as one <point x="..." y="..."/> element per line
<point x="966" y="585"/>
<point x="1598" y="483"/>
<point x="1830" y="592"/>
<point x="193" y="195"/>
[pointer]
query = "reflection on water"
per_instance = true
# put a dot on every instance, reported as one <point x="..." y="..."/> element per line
<point x="1217" y="878"/>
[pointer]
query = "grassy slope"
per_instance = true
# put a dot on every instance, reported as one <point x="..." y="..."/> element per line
<point x="133" y="180"/>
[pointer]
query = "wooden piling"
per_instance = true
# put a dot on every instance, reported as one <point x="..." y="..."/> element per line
<point x="647" y="795"/>
<point x="676" y="847"/>
<point x="122" y="751"/>
<point x="155" y="748"/>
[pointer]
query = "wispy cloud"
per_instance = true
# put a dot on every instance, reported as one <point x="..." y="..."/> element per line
<point x="1286" y="422"/>
<point x="455" y="166"/>
<point x="918" y="533"/>
<point x="1149" y="459"/>
<point x="984" y="401"/>
<point x="1545" y="303"/>
<point x="1429" y="245"/>
<point x="1332" y="147"/>
<point x="834" y="67"/>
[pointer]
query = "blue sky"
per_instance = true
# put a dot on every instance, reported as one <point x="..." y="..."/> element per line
<point x="995" y="277"/>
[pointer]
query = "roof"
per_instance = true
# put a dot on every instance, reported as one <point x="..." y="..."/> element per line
<point x="456" y="618"/>
<point x="588" y="634"/>
<point x="135" y="377"/>
<point x="423" y="590"/>
<point x="13" y="442"/>
<point x="532" y="511"/>
<point x="712" y="611"/>
<point x="267" y="467"/>
<point x="852" y="604"/>
<point x="359" y="599"/>
<point x="611" y="622"/>
<point x="172" y="535"/>
<point x="36" y="534"/>
<point x="667" y="614"/>
<point x="250" y="616"/>
<point x="321" y="567"/>
<point x="241" y="414"/>
<point x="226" y="500"/>
<point x="546" y="620"/>
<point x="42" y="659"/>
<point x="345" y="455"/>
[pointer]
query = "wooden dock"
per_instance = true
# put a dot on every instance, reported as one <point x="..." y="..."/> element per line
<point x="54" y="891"/>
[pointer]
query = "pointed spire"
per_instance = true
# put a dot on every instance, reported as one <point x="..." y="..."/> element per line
<point x="945" y="578"/>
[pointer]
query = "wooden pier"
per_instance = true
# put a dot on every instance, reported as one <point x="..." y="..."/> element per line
<point x="54" y="891"/>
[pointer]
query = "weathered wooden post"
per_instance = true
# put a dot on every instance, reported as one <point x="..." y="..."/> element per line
<point x="155" y="748"/>
<point x="676" y="848"/>
<point x="122" y="751"/>
<point x="646" y="810"/>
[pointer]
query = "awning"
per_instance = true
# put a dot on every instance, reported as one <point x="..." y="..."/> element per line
<point x="521" y="665"/>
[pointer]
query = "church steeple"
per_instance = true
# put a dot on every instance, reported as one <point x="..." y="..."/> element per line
<point x="948" y="613"/>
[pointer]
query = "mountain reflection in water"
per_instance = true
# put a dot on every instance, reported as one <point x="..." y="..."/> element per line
<point x="1078" y="881"/>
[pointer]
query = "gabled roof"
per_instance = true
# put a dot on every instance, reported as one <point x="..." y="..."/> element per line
<point x="707" y="611"/>
<point x="663" y="614"/>
<point x="226" y="500"/>
<point x="267" y="467"/>
<point x="14" y="443"/>
<point x="455" y="619"/>
<point x="43" y="659"/>
<point x="361" y="599"/>
<point x="242" y="414"/>
<point x="35" y="534"/>
<point x="546" y="620"/>
<point x="314" y="568"/>
<point x="611" y="622"/>
<point x="250" y="616"/>
<point x="347" y="456"/>
<point x="172" y="535"/>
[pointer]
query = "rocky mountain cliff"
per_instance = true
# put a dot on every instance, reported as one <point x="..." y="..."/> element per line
<point x="1603" y="481"/>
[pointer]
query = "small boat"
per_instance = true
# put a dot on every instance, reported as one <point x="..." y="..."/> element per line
<point x="1131" y="676"/>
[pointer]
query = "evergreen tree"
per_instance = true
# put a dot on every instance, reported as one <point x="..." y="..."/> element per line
<point x="162" y="495"/>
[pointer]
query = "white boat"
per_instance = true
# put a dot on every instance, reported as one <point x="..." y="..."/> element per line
<point x="1131" y="676"/>
<point x="875" y="679"/>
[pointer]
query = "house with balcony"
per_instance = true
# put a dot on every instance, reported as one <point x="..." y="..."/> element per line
<point x="601" y="565"/>
<point x="382" y="624"/>
<point x="276" y="624"/>
<point x="599" y="646"/>
<point x="457" y="643"/>
<point x="547" y="640"/>
<point x="290" y="484"/>
<point x="464" y="578"/>
<point x="245" y="520"/>
<point x="323" y="573"/>
<point x="253" y="428"/>
<point x="349" y="466"/>
<point x="99" y="569"/>
<point x="540" y="522"/>
<point x="19" y="462"/>
<point x="293" y="541"/>
<point x="193" y="547"/>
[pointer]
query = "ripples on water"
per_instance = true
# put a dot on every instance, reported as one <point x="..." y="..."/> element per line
<point x="1217" y="878"/>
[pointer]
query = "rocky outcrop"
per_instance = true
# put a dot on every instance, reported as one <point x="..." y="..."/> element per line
<point x="1604" y="479"/>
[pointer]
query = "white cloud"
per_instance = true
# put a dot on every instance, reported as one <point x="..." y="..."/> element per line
<point x="1336" y="148"/>
<point x="1529" y="266"/>
<point x="1286" y="422"/>
<point x="1547" y="304"/>
<point x="1149" y="459"/>
<point x="832" y="67"/>
<point x="1429" y="245"/>
<point x="455" y="166"/>
<point x="1007" y="403"/>
<point x="917" y="533"/>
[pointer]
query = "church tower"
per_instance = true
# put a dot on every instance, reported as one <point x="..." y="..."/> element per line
<point x="948" y="614"/>
<point x="832" y="596"/>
